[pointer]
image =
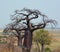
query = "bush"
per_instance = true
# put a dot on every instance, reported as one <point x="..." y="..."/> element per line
<point x="47" y="49"/>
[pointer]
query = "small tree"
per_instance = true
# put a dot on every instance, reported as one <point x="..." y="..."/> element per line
<point x="42" y="36"/>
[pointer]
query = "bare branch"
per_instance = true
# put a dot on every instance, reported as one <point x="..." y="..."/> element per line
<point x="39" y="26"/>
<point x="33" y="17"/>
<point x="15" y="34"/>
<point x="13" y="26"/>
<point x="22" y="14"/>
<point x="54" y="22"/>
<point x="42" y="25"/>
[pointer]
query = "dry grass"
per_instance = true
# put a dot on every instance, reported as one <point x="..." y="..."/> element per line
<point x="7" y="48"/>
<point x="54" y="45"/>
<point x="56" y="39"/>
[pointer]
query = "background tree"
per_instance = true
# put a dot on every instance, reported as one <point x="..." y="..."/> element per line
<point x="43" y="38"/>
<point x="22" y="20"/>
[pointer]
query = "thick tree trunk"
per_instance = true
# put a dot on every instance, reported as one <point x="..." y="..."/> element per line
<point x="19" y="41"/>
<point x="19" y="38"/>
<point x="42" y="47"/>
<point x="27" y="41"/>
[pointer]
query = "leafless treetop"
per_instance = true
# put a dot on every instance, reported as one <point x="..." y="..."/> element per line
<point x="22" y="20"/>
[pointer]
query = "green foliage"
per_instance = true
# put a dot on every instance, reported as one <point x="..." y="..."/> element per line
<point x="3" y="42"/>
<point x="2" y="36"/>
<point x="43" y="37"/>
<point x="47" y="49"/>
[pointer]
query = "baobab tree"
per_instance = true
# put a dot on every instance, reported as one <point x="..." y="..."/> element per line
<point x="22" y="21"/>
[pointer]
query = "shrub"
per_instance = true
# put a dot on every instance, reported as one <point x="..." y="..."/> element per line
<point x="47" y="49"/>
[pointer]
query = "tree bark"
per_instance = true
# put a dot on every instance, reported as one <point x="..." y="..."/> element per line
<point x="19" y="38"/>
<point x="19" y="41"/>
<point x="42" y="47"/>
<point x="27" y="41"/>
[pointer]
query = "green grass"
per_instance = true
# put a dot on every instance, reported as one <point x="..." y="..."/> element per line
<point x="2" y="36"/>
<point x="3" y="42"/>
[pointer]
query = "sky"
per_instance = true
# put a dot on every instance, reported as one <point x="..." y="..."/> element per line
<point x="51" y="8"/>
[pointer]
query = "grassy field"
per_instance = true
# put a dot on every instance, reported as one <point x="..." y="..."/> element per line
<point x="55" y="33"/>
<point x="55" y="44"/>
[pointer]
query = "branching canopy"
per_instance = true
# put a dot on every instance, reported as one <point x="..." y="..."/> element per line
<point x="22" y="20"/>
